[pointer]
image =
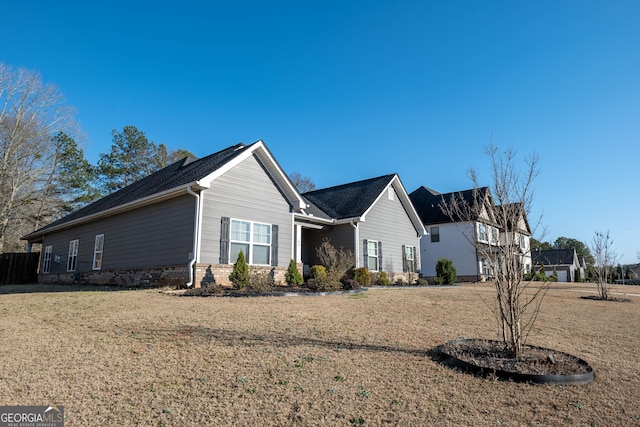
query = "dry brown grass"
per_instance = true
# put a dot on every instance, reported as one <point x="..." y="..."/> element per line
<point x="145" y="358"/>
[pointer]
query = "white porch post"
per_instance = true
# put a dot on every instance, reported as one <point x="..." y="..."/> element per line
<point x="298" y="234"/>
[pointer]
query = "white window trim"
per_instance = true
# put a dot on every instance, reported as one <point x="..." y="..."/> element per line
<point x="46" y="260"/>
<point x="73" y="254"/>
<point x="480" y="234"/>
<point x="411" y="261"/>
<point x="251" y="243"/>
<point x="96" y="251"/>
<point x="432" y="234"/>
<point x="377" y="255"/>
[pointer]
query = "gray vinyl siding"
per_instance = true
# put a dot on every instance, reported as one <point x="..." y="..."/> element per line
<point x="389" y="223"/>
<point x="245" y="192"/>
<point x="150" y="236"/>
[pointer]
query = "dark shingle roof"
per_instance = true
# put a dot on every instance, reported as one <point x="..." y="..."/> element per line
<point x="175" y="175"/>
<point x="553" y="257"/>
<point x="348" y="200"/>
<point x="427" y="203"/>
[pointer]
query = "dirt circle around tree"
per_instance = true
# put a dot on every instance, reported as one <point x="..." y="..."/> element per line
<point x="536" y="365"/>
<point x="598" y="298"/>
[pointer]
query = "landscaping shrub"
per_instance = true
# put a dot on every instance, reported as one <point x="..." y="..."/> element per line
<point x="446" y="271"/>
<point x="350" y="284"/>
<point x="240" y="275"/>
<point x="362" y="276"/>
<point x="293" y="276"/>
<point x="260" y="281"/>
<point x="319" y="280"/>
<point x="337" y="262"/>
<point x="381" y="279"/>
<point x="422" y="281"/>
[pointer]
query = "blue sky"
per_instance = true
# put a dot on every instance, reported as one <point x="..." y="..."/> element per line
<point x="347" y="90"/>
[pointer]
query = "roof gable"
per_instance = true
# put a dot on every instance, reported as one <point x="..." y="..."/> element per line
<point x="349" y="200"/>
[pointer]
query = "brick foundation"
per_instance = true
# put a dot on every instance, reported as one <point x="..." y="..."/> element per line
<point x="171" y="276"/>
<point x="207" y="274"/>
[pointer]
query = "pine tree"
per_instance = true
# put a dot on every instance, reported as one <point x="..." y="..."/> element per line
<point x="293" y="276"/>
<point x="240" y="275"/>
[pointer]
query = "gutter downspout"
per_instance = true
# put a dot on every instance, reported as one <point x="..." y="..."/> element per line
<point x="196" y="235"/>
<point x="356" y="241"/>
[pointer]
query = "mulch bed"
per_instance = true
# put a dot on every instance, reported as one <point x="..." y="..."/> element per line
<point x="492" y="356"/>
<point x="598" y="298"/>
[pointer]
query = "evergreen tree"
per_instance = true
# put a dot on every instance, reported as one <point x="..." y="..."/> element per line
<point x="293" y="276"/>
<point x="240" y="275"/>
<point x="131" y="158"/>
<point x="68" y="183"/>
<point x="581" y="248"/>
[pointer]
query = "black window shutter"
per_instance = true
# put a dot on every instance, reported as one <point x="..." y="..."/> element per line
<point x="404" y="259"/>
<point x="380" y="256"/>
<point x="415" y="259"/>
<point x="274" y="245"/>
<point x="365" y="253"/>
<point x="224" y="240"/>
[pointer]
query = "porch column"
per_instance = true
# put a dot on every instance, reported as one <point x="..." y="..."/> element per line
<point x="298" y="233"/>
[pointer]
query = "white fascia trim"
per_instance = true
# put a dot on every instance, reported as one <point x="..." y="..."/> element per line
<point x="149" y="200"/>
<point x="311" y="218"/>
<point x="355" y="219"/>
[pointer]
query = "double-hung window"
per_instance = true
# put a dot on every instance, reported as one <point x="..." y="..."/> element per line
<point x="483" y="232"/>
<point x="97" y="252"/>
<point x="72" y="260"/>
<point x="494" y="236"/>
<point x="46" y="260"/>
<point x="409" y="259"/>
<point x="373" y="255"/>
<point x="486" y="269"/>
<point x="253" y="239"/>
<point x="435" y="234"/>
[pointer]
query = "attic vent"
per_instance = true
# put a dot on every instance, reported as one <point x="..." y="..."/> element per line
<point x="390" y="193"/>
<point x="239" y="147"/>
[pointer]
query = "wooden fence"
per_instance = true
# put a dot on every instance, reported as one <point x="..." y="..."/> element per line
<point x="19" y="268"/>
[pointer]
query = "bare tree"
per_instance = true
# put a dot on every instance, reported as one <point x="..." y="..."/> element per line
<point x="495" y="221"/>
<point x="302" y="183"/>
<point x="605" y="261"/>
<point x="336" y="261"/>
<point x="30" y="114"/>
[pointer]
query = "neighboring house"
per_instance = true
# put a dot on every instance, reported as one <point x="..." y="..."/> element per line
<point x="634" y="271"/>
<point x="459" y="237"/>
<point x="373" y="218"/>
<point x="519" y="231"/>
<point x="564" y="262"/>
<point x="187" y="223"/>
<point x="581" y="274"/>
<point x="455" y="238"/>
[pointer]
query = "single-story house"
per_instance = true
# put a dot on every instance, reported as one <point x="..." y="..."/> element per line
<point x="564" y="262"/>
<point x="187" y="223"/>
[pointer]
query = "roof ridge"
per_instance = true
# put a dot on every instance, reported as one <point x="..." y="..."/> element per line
<point x="335" y="187"/>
